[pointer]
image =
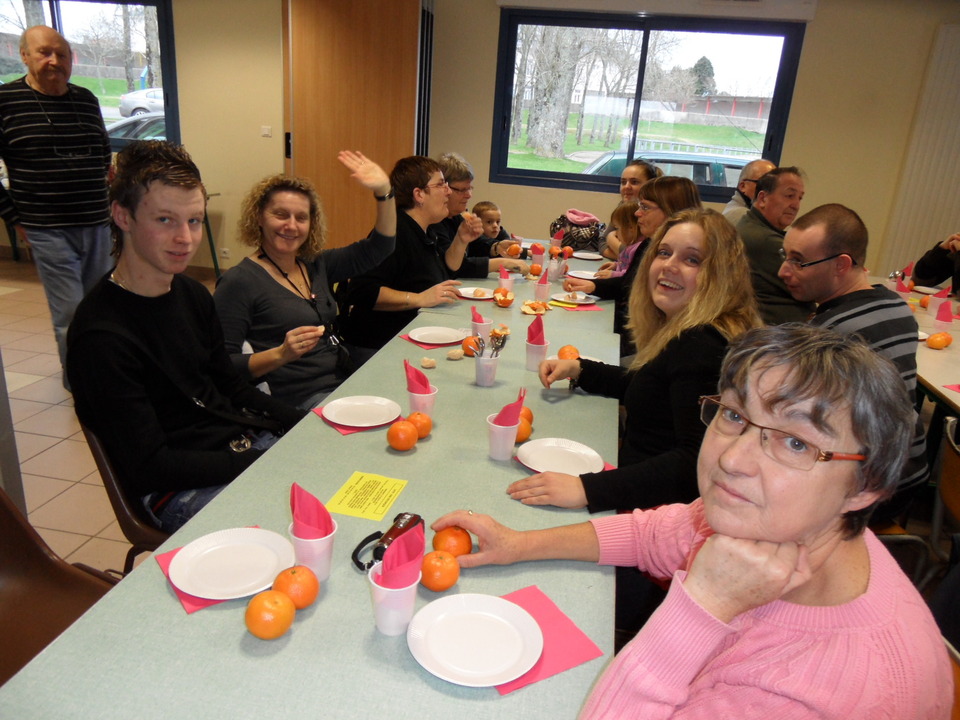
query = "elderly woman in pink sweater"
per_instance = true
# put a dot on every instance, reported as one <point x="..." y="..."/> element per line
<point x="782" y="604"/>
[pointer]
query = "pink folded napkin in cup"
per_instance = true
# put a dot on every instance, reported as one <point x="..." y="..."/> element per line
<point x="402" y="559"/>
<point x="504" y="275"/>
<point x="943" y="293"/>
<point x="908" y="270"/>
<point x="945" y="311"/>
<point x="475" y="316"/>
<point x="535" y="331"/>
<point x="558" y="235"/>
<point x="564" y="644"/>
<point x="509" y="414"/>
<point x="416" y="381"/>
<point x="543" y="279"/>
<point x="311" y="519"/>
<point x="901" y="288"/>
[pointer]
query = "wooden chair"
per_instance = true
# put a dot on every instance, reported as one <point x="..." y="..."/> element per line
<point x="40" y="594"/>
<point x="947" y="500"/>
<point x="136" y="528"/>
<point x="955" y="665"/>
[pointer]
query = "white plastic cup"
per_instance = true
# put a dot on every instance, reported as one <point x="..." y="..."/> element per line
<point x="555" y="270"/>
<point x="506" y="282"/>
<point x="541" y="291"/>
<point x="502" y="439"/>
<point x="482" y="329"/>
<point x="486" y="370"/>
<point x="556" y="241"/>
<point x="536" y="354"/>
<point x="392" y="607"/>
<point x="536" y="259"/>
<point x="315" y="553"/>
<point x="422" y="402"/>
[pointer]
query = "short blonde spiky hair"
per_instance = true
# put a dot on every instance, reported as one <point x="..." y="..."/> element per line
<point x="256" y="200"/>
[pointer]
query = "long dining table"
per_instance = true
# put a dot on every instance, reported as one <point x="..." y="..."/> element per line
<point x="138" y="654"/>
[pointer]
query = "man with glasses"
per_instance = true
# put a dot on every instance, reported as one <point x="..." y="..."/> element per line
<point x="746" y="190"/>
<point x="55" y="146"/>
<point x="823" y="260"/>
<point x="777" y="204"/>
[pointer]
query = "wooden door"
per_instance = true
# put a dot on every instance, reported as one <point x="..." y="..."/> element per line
<point x="351" y="83"/>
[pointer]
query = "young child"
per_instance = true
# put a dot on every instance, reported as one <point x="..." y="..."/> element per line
<point x="624" y="221"/>
<point x="495" y="238"/>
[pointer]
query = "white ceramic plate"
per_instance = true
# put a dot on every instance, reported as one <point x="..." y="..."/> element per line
<point x="468" y="293"/>
<point x="585" y="255"/>
<point x="582" y="274"/>
<point x="581" y="298"/>
<point x="921" y="335"/>
<point x="924" y="290"/>
<point x="230" y="564"/>
<point x="475" y="640"/>
<point x="559" y="455"/>
<point x="438" y="335"/>
<point x="361" y="411"/>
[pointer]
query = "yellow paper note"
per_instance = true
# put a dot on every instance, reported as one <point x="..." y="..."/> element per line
<point x="365" y="495"/>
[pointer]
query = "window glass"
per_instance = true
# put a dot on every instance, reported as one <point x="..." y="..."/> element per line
<point x="713" y="95"/>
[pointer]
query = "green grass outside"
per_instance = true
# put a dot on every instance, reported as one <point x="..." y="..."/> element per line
<point x="109" y="95"/>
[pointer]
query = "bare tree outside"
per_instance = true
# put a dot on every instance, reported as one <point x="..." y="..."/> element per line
<point x="22" y="14"/>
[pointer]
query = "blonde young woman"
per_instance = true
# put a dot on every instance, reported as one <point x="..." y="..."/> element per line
<point x="687" y="303"/>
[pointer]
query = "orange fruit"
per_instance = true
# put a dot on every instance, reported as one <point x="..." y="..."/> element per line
<point x="911" y="285"/>
<point x="269" y="614"/>
<point x="925" y="301"/>
<point x="568" y="352"/>
<point x="536" y="249"/>
<point x="536" y="269"/>
<point x="500" y="291"/>
<point x="567" y="252"/>
<point x="514" y="250"/>
<point x="527" y="413"/>
<point x="299" y="584"/>
<point x="938" y="341"/>
<point x="554" y="251"/>
<point x="402" y="435"/>
<point x="454" y="540"/>
<point x="523" y="430"/>
<point x="422" y="422"/>
<point x="471" y="345"/>
<point x="504" y="300"/>
<point x="439" y="571"/>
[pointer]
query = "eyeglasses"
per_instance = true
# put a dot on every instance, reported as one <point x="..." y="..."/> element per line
<point x="648" y="208"/>
<point x="467" y="189"/>
<point x="779" y="445"/>
<point x="442" y="184"/>
<point x="797" y="265"/>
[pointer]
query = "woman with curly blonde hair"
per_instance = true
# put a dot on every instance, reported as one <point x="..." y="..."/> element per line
<point x="279" y="298"/>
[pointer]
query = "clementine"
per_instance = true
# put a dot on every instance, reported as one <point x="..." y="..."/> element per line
<point x="269" y="614"/>
<point x="439" y="571"/>
<point x="567" y="252"/>
<point x="422" y="422"/>
<point x="554" y="251"/>
<point x="505" y="300"/>
<point x="940" y="340"/>
<point x="299" y="584"/>
<point x="527" y="413"/>
<point x="925" y="301"/>
<point x="402" y="435"/>
<point x="536" y="269"/>
<point x="536" y="249"/>
<point x="471" y="345"/>
<point x="454" y="540"/>
<point x="500" y="291"/>
<point x="514" y="250"/>
<point x="523" y="430"/>
<point x="568" y="352"/>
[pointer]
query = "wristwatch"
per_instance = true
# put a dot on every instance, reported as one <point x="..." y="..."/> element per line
<point x="384" y="198"/>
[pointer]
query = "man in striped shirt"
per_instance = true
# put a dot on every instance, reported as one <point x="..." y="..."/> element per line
<point x="55" y="146"/>
<point x="824" y="253"/>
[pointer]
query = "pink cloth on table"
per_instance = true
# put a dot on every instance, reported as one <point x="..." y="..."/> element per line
<point x="593" y="307"/>
<point x="311" y="519"/>
<point x="475" y="316"/>
<point x="535" y="331"/>
<point x="428" y="346"/>
<point x="509" y="414"/>
<point x="344" y="429"/>
<point x="402" y="559"/>
<point x="416" y="381"/>
<point x="945" y="311"/>
<point x="943" y="293"/>
<point x="564" y="644"/>
<point x="901" y="288"/>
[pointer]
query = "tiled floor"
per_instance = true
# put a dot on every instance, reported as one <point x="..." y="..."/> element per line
<point x="65" y="499"/>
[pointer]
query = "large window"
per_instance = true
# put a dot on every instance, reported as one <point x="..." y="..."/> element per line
<point x="122" y="52"/>
<point x="580" y="95"/>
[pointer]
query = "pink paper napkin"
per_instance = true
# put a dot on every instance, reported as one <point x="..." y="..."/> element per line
<point x="945" y="311"/>
<point x="901" y="288"/>
<point x="593" y="307"/>
<point x="475" y="316"/>
<point x="416" y="381"/>
<point x="955" y="388"/>
<point x="558" y="235"/>
<point x="428" y="346"/>
<point x="908" y="270"/>
<point x="311" y="519"/>
<point x="535" y="331"/>
<point x="504" y="275"/>
<point x="943" y="293"/>
<point x="345" y="429"/>
<point x="564" y="644"/>
<point x="543" y="279"/>
<point x="509" y="415"/>
<point x="402" y="559"/>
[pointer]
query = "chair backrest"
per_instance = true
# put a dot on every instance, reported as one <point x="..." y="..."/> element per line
<point x="955" y="665"/>
<point x="40" y="594"/>
<point x="132" y="518"/>
<point x="949" y="483"/>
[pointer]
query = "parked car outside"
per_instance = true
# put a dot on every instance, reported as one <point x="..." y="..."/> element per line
<point x="148" y="126"/>
<point x="714" y="170"/>
<point x="139" y="102"/>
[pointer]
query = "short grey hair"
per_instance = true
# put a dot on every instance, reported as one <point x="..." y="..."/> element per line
<point x="455" y="168"/>
<point x="836" y="373"/>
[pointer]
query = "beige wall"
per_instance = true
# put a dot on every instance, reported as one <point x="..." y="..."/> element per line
<point x="860" y="74"/>
<point x="230" y="82"/>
